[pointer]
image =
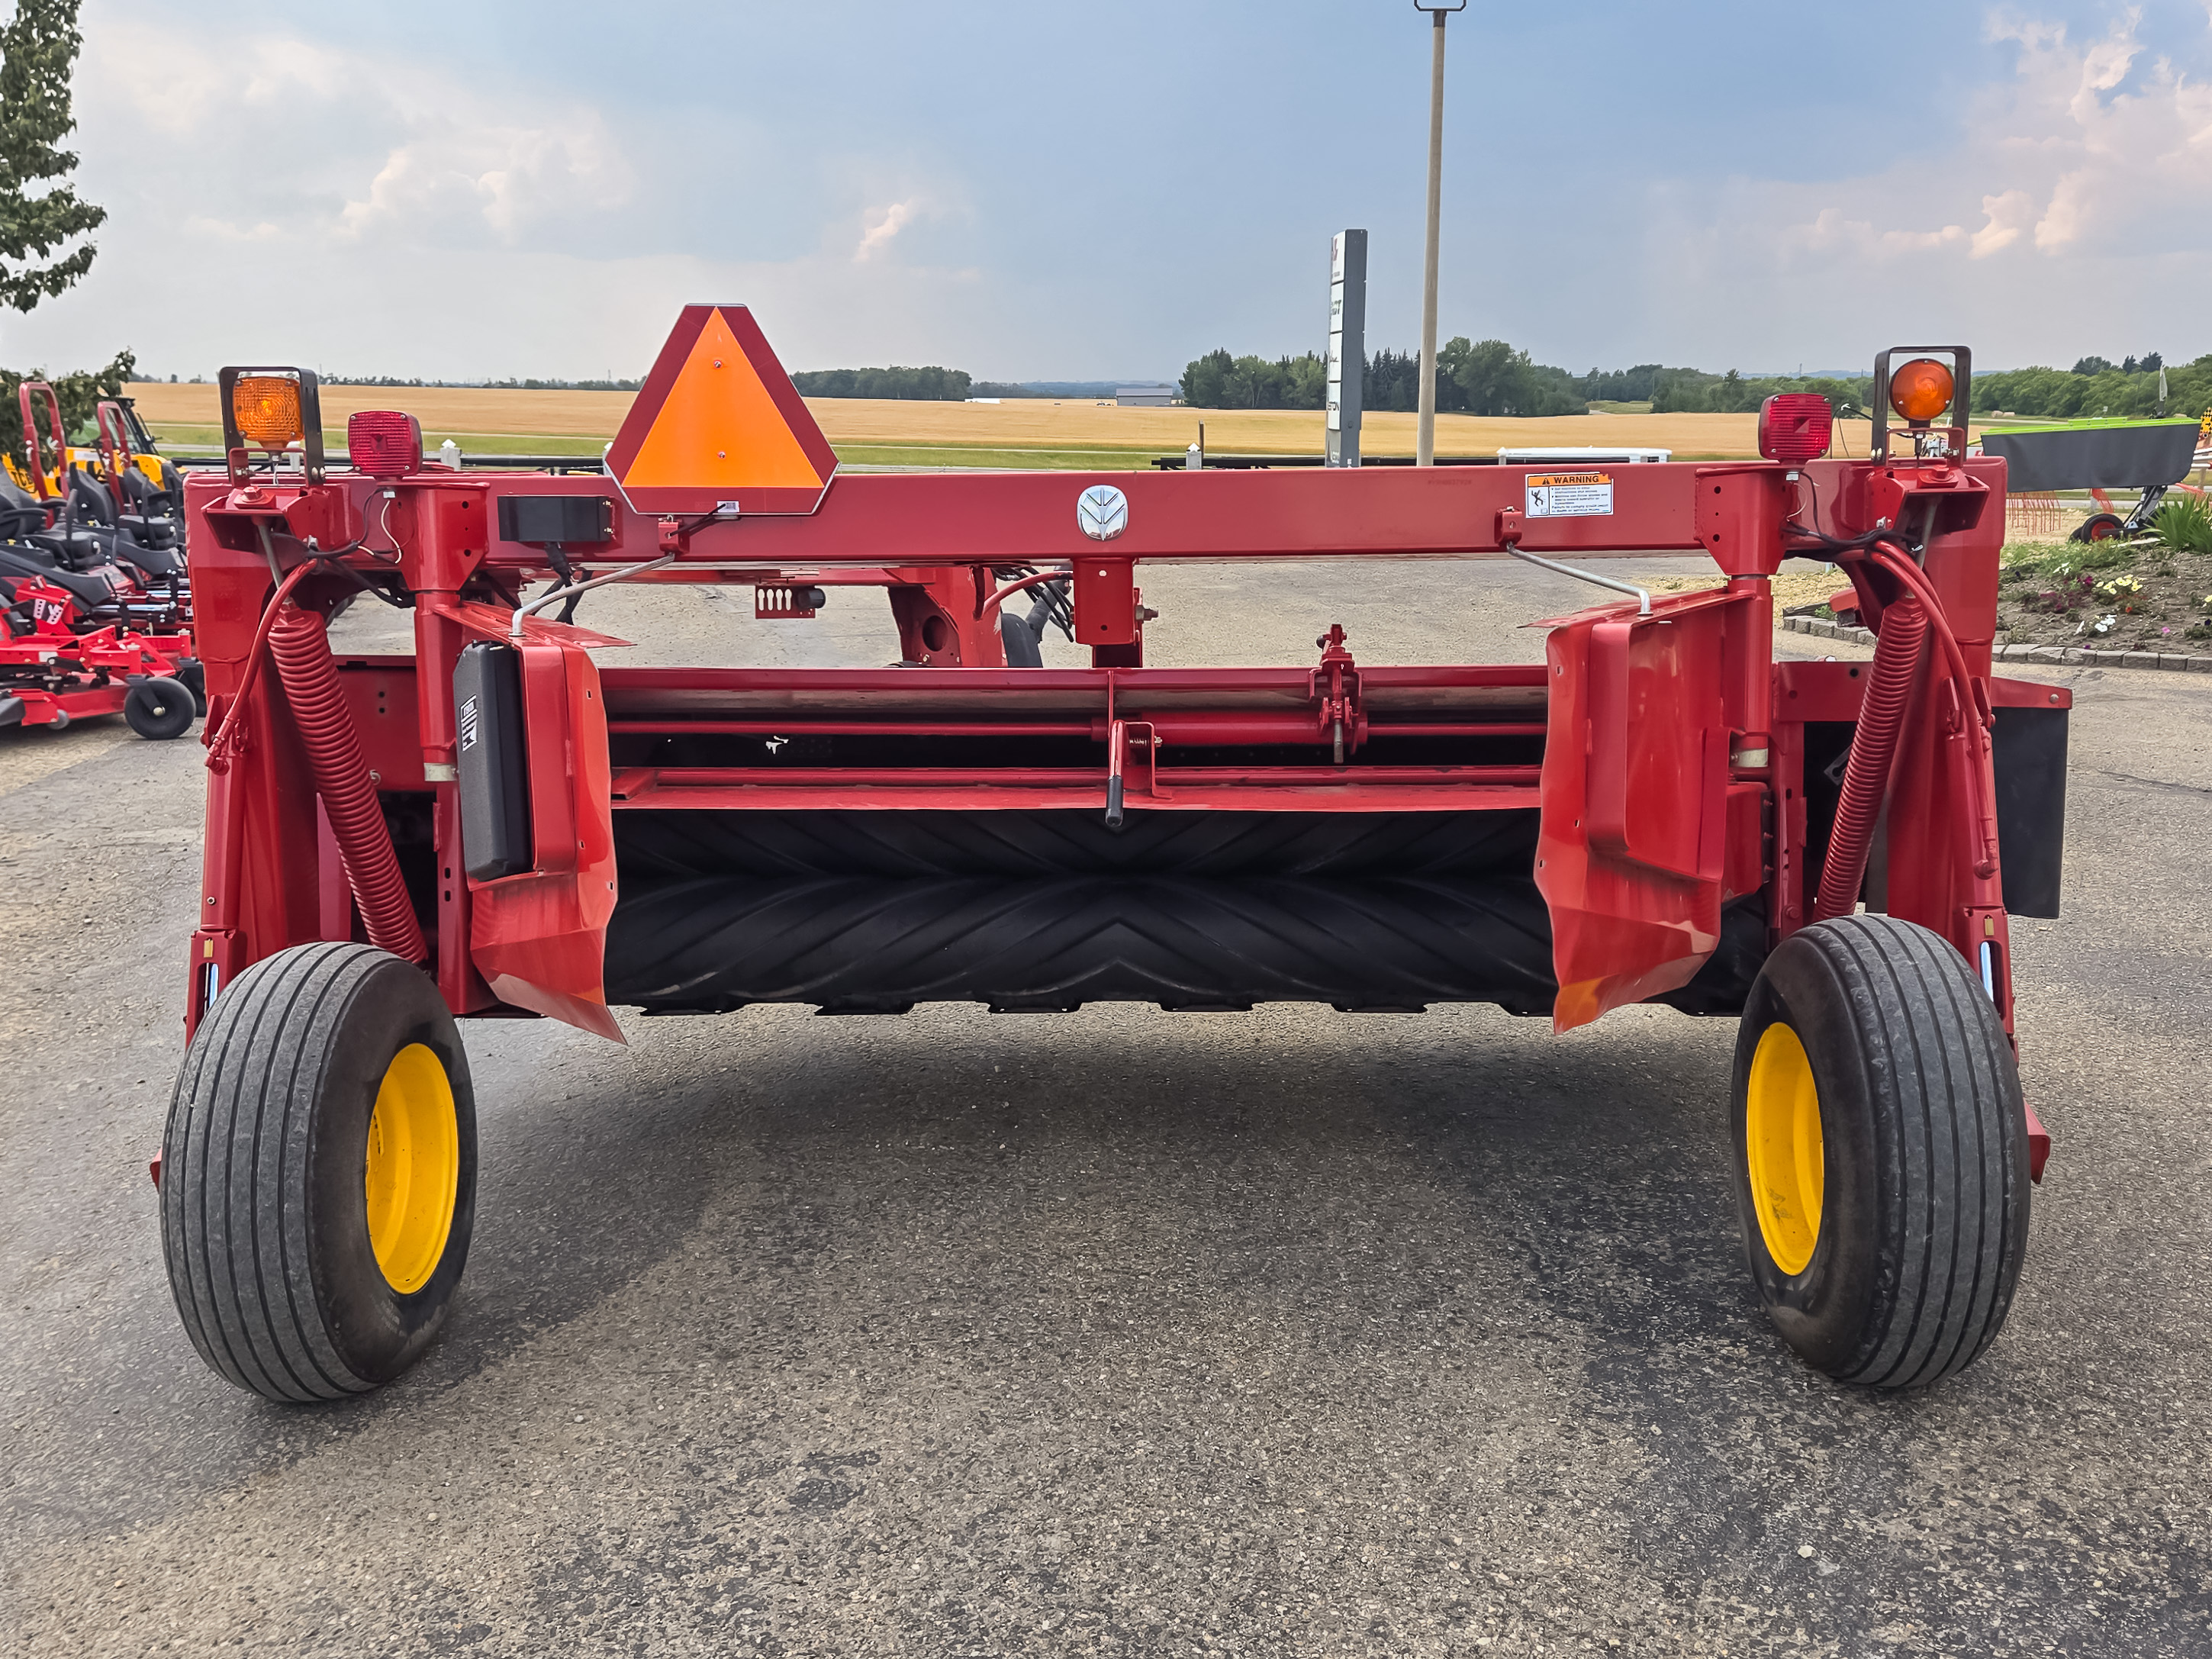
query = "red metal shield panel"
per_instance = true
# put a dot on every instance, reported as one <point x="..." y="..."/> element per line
<point x="539" y="939"/>
<point x="1634" y="818"/>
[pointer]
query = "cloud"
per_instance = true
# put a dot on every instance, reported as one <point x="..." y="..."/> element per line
<point x="2004" y="218"/>
<point x="877" y="238"/>
<point x="1830" y="232"/>
<point x="454" y="174"/>
<point x="343" y="144"/>
<point x="2081" y="145"/>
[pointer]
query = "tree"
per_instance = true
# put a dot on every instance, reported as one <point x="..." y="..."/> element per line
<point x="2091" y="366"/>
<point x="1218" y="380"/>
<point x="79" y="396"/>
<point x="932" y="384"/>
<point x="1491" y="374"/>
<point x="36" y="49"/>
<point x="1393" y="381"/>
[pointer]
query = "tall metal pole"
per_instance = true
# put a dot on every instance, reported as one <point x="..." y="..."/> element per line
<point x="1424" y="442"/>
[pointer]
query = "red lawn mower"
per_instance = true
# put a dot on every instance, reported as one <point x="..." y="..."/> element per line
<point x="52" y="675"/>
<point x="93" y="587"/>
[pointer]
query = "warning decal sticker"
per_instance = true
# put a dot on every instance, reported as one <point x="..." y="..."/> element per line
<point x="1569" y="495"/>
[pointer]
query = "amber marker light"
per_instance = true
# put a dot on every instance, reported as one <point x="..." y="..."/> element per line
<point x="267" y="409"/>
<point x="1921" y="390"/>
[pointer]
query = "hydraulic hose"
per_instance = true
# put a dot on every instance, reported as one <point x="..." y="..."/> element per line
<point x="300" y="644"/>
<point x="1874" y="747"/>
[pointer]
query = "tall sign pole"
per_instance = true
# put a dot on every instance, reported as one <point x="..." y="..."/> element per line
<point x="1425" y="443"/>
<point x="1347" y="344"/>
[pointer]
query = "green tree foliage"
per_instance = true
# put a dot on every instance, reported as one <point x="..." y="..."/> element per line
<point x="2062" y="394"/>
<point x="1394" y="381"/>
<point x="1490" y="377"/>
<point x="921" y="384"/>
<point x="37" y="48"/>
<point x="1218" y="380"/>
<point x="78" y="394"/>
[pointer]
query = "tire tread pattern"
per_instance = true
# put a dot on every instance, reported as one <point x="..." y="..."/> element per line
<point x="236" y="1147"/>
<point x="1934" y="1045"/>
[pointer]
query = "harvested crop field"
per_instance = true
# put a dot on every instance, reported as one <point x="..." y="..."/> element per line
<point x="1024" y="432"/>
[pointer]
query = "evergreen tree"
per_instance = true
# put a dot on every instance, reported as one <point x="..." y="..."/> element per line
<point x="36" y="49"/>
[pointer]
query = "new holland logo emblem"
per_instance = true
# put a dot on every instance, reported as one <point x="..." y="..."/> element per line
<point x="1102" y="512"/>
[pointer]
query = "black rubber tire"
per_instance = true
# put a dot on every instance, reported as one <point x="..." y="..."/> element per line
<point x="2099" y="527"/>
<point x="1022" y="646"/>
<point x="264" y="1217"/>
<point x="159" y="708"/>
<point x="1924" y="1220"/>
<point x="191" y="674"/>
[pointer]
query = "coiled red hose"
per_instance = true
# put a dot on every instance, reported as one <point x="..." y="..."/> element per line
<point x="300" y="644"/>
<point x="1873" y="746"/>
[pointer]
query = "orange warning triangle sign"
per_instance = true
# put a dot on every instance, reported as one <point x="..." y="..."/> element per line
<point x="718" y="420"/>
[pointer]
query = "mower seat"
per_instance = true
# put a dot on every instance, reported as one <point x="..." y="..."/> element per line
<point x="22" y="514"/>
<point x="158" y="560"/>
<point x="152" y="533"/>
<point x="93" y="504"/>
<point x="152" y="501"/>
<point x="74" y="550"/>
<point x="92" y="592"/>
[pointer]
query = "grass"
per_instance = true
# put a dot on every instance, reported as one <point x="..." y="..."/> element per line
<point x="2063" y="561"/>
<point x="2185" y="527"/>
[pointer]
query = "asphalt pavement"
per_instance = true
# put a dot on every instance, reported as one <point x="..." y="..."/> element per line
<point x="1114" y="1332"/>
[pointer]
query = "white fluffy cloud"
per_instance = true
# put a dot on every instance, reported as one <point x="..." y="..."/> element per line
<point x="496" y="190"/>
<point x="2069" y="148"/>
<point x="876" y="240"/>
<point x="507" y="179"/>
<point x="360" y="208"/>
<point x="350" y="144"/>
<point x="2073" y="215"/>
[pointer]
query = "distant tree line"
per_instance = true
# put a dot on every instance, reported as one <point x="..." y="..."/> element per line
<point x="1045" y="388"/>
<point x="1490" y="377"/>
<point x="1218" y="380"/>
<point x="495" y="385"/>
<point x="921" y="384"/>
<point x="2093" y="387"/>
<point x="1485" y="377"/>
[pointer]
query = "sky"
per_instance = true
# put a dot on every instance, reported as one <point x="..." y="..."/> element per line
<point x="1046" y="190"/>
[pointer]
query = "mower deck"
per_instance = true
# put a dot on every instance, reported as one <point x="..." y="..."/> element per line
<point x="496" y="825"/>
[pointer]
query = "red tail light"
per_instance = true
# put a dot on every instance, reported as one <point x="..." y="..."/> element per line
<point x="385" y="443"/>
<point x="1794" y="427"/>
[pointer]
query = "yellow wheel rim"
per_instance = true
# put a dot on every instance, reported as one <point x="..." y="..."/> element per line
<point x="414" y="1168"/>
<point x="1782" y="1144"/>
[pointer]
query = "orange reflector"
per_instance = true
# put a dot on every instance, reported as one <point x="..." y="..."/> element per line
<point x="718" y="420"/>
<point x="1921" y="390"/>
<point x="267" y="409"/>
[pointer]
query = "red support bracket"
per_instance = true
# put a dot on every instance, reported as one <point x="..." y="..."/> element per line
<point x="1105" y="601"/>
<point x="1334" y="687"/>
